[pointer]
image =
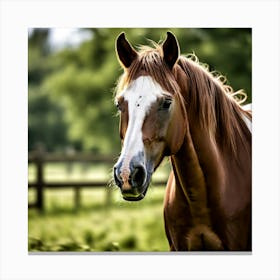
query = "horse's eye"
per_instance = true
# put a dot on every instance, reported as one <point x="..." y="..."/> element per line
<point x="166" y="104"/>
<point x="119" y="107"/>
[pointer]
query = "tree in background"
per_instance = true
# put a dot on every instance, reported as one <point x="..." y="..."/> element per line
<point x="71" y="90"/>
<point x="45" y="117"/>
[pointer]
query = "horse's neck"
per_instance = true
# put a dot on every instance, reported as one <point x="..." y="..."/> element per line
<point x="190" y="178"/>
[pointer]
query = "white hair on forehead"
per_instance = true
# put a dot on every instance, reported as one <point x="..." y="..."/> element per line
<point x="140" y="95"/>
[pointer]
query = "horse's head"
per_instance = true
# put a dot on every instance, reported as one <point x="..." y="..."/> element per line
<point x="152" y="116"/>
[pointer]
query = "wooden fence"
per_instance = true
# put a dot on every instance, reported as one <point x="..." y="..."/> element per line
<point x="40" y="158"/>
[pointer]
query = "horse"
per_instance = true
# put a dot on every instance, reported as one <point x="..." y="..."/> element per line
<point x="170" y="105"/>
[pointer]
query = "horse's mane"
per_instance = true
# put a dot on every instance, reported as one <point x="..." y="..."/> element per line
<point x="215" y="104"/>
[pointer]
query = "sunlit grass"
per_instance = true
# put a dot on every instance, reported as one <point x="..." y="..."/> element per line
<point x="104" y="221"/>
<point x="120" y="226"/>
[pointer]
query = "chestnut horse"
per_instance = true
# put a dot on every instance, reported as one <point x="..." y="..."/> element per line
<point x="172" y="106"/>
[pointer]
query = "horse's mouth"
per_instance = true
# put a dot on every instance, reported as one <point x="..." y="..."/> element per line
<point x="133" y="198"/>
<point x="136" y="194"/>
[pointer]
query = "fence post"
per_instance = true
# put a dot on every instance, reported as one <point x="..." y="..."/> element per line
<point x="40" y="151"/>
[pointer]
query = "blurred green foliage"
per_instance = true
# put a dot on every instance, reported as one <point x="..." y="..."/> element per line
<point x="71" y="89"/>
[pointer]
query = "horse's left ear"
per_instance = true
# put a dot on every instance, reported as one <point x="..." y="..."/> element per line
<point x="171" y="50"/>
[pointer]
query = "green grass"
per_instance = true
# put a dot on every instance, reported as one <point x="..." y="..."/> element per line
<point x="96" y="226"/>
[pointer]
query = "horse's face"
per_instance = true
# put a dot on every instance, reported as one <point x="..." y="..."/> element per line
<point x="150" y="128"/>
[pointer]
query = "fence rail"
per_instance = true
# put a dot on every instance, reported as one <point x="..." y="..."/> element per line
<point x="40" y="158"/>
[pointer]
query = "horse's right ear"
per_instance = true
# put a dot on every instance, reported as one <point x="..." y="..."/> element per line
<point x="125" y="52"/>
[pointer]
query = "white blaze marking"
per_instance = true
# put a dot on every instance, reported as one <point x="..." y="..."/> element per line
<point x="140" y="95"/>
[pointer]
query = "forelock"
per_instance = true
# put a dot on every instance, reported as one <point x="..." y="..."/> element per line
<point x="150" y="62"/>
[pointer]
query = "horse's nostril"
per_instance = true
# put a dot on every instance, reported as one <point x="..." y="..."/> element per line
<point x="117" y="177"/>
<point x="138" y="176"/>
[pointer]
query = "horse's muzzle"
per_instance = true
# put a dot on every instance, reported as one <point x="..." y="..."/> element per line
<point x="132" y="183"/>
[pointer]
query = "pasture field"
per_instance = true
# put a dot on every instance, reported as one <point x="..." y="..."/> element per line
<point x="97" y="226"/>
